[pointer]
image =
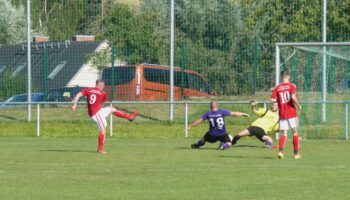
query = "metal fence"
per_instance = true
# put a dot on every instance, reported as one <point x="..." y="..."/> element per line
<point x="220" y="49"/>
<point x="230" y="44"/>
<point x="320" y="70"/>
<point x="56" y="119"/>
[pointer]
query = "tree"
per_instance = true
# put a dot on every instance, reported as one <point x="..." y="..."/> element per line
<point x="12" y="23"/>
<point x="133" y="35"/>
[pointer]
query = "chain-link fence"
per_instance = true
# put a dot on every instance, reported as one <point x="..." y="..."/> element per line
<point x="320" y="72"/>
<point x="226" y="46"/>
<point x="306" y="65"/>
<point x="223" y="49"/>
<point x="56" y="120"/>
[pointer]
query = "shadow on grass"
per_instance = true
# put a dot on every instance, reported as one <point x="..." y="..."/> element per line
<point x="215" y="148"/>
<point x="140" y="114"/>
<point x="249" y="157"/>
<point x="200" y="149"/>
<point x="68" y="151"/>
<point x="248" y="146"/>
<point x="10" y="118"/>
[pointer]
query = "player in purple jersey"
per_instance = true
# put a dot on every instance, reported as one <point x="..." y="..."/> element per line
<point x="217" y="129"/>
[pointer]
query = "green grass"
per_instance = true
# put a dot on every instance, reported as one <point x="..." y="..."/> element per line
<point x="69" y="168"/>
<point x="61" y="122"/>
<point x="149" y="159"/>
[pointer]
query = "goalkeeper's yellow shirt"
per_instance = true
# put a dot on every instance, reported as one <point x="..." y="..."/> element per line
<point x="268" y="120"/>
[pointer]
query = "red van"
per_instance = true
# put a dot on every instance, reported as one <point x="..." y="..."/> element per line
<point x="147" y="82"/>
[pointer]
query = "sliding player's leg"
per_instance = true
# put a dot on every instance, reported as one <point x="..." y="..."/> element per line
<point x="200" y="143"/>
<point x="260" y="134"/>
<point x="268" y="141"/>
<point x="211" y="139"/>
<point x="239" y="135"/>
<point x="121" y="114"/>
<point x="226" y="142"/>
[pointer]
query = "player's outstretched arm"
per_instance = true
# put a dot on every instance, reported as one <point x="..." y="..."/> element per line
<point x="239" y="114"/>
<point x="75" y="100"/>
<point x="296" y="102"/>
<point x="274" y="96"/>
<point x="195" y="123"/>
<point x="253" y="105"/>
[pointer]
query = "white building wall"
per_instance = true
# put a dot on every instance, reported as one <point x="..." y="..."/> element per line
<point x="88" y="74"/>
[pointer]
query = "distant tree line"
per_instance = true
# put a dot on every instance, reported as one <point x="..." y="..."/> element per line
<point x="230" y="42"/>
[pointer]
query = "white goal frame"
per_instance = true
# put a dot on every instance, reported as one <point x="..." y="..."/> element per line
<point x="324" y="64"/>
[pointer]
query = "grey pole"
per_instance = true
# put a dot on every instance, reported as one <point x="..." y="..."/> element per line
<point x="312" y="44"/>
<point x="324" y="61"/>
<point x="110" y="122"/>
<point x="346" y="121"/>
<point x="29" y="67"/>
<point x="171" y="106"/>
<point x="186" y="120"/>
<point x="37" y="120"/>
<point x="277" y="63"/>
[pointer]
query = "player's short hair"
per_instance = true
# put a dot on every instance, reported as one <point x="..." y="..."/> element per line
<point x="285" y="73"/>
<point x="213" y="102"/>
<point x="99" y="81"/>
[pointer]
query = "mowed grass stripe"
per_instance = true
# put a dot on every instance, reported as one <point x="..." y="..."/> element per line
<point x="69" y="168"/>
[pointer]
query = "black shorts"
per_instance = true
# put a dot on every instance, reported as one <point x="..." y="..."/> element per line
<point x="257" y="132"/>
<point x="212" y="139"/>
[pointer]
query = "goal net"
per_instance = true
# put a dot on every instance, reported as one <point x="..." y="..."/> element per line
<point x="321" y="71"/>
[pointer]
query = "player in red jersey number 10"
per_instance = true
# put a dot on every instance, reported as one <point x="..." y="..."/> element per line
<point x="95" y="98"/>
<point x="285" y="95"/>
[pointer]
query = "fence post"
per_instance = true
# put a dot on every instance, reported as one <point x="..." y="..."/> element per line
<point x="186" y="120"/>
<point x="29" y="64"/>
<point x="172" y="30"/>
<point x="346" y="121"/>
<point x="112" y="80"/>
<point x="255" y="62"/>
<point x="44" y="72"/>
<point x="110" y="122"/>
<point x="277" y="65"/>
<point x="37" y="120"/>
<point x="182" y="70"/>
<point x="324" y="61"/>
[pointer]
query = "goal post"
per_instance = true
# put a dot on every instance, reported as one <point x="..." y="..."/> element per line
<point x="317" y="68"/>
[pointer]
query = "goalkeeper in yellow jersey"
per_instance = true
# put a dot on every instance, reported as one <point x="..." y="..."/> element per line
<point x="266" y="123"/>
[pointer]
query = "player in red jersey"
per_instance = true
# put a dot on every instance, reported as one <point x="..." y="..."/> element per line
<point x="285" y="95"/>
<point x="95" y="98"/>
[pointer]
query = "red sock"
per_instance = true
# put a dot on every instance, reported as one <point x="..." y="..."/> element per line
<point x="101" y="141"/>
<point x="121" y="114"/>
<point x="296" y="144"/>
<point x="282" y="142"/>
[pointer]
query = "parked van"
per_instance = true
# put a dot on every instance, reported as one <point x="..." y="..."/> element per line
<point x="146" y="82"/>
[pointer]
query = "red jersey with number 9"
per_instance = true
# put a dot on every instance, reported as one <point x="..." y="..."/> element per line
<point x="95" y="98"/>
<point x="283" y="94"/>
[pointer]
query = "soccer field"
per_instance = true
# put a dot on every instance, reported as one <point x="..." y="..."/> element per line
<point x="69" y="168"/>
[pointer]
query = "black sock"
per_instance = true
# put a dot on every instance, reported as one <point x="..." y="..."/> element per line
<point x="235" y="139"/>
<point x="200" y="143"/>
